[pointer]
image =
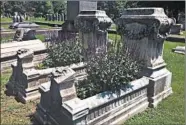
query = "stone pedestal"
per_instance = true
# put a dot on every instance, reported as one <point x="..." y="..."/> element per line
<point x="92" y="26"/>
<point x="143" y="32"/>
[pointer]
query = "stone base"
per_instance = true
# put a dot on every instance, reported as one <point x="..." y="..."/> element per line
<point x="22" y="97"/>
<point x="176" y="38"/>
<point x="176" y="29"/>
<point x="126" y="113"/>
<point x="158" y="98"/>
<point x="41" y="115"/>
<point x="159" y="88"/>
<point x="10" y="90"/>
<point x="31" y="97"/>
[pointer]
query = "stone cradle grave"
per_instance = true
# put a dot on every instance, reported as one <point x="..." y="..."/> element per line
<point x="9" y="51"/>
<point x="102" y="108"/>
<point x="26" y="79"/>
<point x="108" y="107"/>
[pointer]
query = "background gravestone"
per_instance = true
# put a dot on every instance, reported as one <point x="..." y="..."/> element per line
<point x="49" y="17"/>
<point x="74" y="7"/>
<point x="59" y="17"/>
<point x="62" y="17"/>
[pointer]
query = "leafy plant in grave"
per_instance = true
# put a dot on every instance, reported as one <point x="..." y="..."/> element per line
<point x="109" y="72"/>
<point x="63" y="53"/>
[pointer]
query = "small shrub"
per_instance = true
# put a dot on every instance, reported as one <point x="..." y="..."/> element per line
<point x="63" y="53"/>
<point x="109" y="72"/>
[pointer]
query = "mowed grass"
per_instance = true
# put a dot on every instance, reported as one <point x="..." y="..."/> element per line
<point x="6" y="26"/>
<point x="169" y="112"/>
<point x="13" y="112"/>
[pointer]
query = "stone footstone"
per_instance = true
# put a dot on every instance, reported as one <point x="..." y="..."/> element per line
<point x="179" y="49"/>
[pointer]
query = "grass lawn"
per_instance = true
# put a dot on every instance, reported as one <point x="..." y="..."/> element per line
<point x="6" y="26"/>
<point x="169" y="111"/>
<point x="43" y="20"/>
<point x="5" y="19"/>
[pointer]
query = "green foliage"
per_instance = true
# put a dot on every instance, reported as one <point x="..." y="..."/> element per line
<point x="33" y="8"/>
<point x="40" y="66"/>
<point x="109" y="72"/>
<point x="63" y="53"/>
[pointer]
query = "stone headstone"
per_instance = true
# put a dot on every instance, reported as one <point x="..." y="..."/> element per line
<point x="74" y="7"/>
<point x="181" y="19"/>
<point x="21" y="18"/>
<point x="14" y="18"/>
<point x="50" y="17"/>
<point x="62" y="17"/>
<point x="59" y="17"/>
<point x="53" y="17"/>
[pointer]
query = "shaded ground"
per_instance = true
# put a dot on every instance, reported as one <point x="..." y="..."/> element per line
<point x="169" y="111"/>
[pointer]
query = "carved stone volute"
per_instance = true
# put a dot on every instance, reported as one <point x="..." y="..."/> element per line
<point x="144" y="30"/>
<point x="89" y="21"/>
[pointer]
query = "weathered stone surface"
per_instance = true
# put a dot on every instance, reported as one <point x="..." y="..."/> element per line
<point x="93" y="27"/>
<point x="25" y="79"/>
<point x="176" y="29"/>
<point x="10" y="49"/>
<point x="143" y="31"/>
<point x="95" y="109"/>
<point x="24" y="34"/>
<point x="176" y="38"/>
<point x="181" y="19"/>
<point x="179" y="49"/>
<point x="74" y="7"/>
<point x="24" y="57"/>
<point x="61" y="89"/>
<point x="23" y="25"/>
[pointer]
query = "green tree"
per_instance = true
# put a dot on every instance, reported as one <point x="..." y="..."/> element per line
<point x="59" y="6"/>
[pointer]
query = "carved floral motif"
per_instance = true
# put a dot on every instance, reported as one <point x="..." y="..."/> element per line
<point x="92" y="22"/>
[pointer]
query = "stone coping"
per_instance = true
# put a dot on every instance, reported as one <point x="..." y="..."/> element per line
<point x="92" y="102"/>
<point x="141" y="13"/>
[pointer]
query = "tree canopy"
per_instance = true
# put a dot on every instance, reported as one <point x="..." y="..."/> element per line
<point x="112" y="8"/>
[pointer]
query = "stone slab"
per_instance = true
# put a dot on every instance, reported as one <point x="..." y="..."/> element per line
<point x="179" y="49"/>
